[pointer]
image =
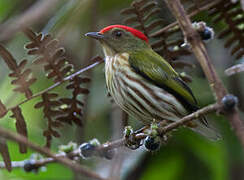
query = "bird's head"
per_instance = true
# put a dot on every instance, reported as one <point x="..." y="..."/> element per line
<point x="119" y="39"/>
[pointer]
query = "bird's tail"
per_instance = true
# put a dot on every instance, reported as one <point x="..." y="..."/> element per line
<point x="207" y="130"/>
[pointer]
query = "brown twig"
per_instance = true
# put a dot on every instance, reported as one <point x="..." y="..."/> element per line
<point x="42" y="162"/>
<point x="63" y="160"/>
<point x="195" y="12"/>
<point x="198" y="48"/>
<point x="201" y="54"/>
<point x="98" y="60"/>
<point x="165" y="129"/>
<point x="188" y="118"/>
<point x="234" y="69"/>
<point x="104" y="147"/>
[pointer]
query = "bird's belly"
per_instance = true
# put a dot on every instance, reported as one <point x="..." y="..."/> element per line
<point x="139" y="98"/>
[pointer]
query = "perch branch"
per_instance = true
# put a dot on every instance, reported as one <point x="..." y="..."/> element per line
<point x="106" y="146"/>
<point x="201" y="54"/>
<point x="162" y="130"/>
<point x="61" y="159"/>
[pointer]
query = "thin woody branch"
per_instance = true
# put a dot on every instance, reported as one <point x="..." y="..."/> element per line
<point x="234" y="69"/>
<point x="206" y="110"/>
<point x="195" y="12"/>
<point x="62" y="160"/>
<point x="65" y="158"/>
<point x="198" y="48"/>
<point x="165" y="129"/>
<point x="42" y="162"/>
<point x="201" y="54"/>
<point x="97" y="60"/>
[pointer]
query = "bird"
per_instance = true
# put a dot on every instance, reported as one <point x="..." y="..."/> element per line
<point x="143" y="83"/>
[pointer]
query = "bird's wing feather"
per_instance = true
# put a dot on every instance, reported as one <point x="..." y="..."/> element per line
<point x="156" y="70"/>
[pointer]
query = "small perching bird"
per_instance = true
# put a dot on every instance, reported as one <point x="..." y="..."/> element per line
<point x="142" y="82"/>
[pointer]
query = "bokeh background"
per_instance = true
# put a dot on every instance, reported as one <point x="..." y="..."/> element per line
<point x="187" y="155"/>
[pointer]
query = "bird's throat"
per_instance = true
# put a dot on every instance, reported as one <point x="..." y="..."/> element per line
<point x="108" y="51"/>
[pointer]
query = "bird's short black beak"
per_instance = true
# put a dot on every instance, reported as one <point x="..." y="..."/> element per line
<point x="95" y="35"/>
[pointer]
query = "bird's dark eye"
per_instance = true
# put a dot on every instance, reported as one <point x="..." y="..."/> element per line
<point x="117" y="34"/>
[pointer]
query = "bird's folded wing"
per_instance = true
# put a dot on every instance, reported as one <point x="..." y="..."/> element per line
<point x="158" y="71"/>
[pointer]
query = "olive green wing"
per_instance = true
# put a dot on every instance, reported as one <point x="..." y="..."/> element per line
<point x="158" y="71"/>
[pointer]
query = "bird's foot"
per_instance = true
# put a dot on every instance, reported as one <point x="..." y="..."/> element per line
<point x="153" y="141"/>
<point x="130" y="138"/>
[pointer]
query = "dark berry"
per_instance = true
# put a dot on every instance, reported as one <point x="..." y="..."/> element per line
<point x="229" y="101"/>
<point x="152" y="143"/>
<point x="87" y="150"/>
<point x="30" y="166"/>
<point x="206" y="34"/>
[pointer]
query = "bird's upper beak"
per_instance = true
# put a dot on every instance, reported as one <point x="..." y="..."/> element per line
<point x="95" y="35"/>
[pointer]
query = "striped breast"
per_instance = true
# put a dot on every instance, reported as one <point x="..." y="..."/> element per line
<point x="137" y="96"/>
